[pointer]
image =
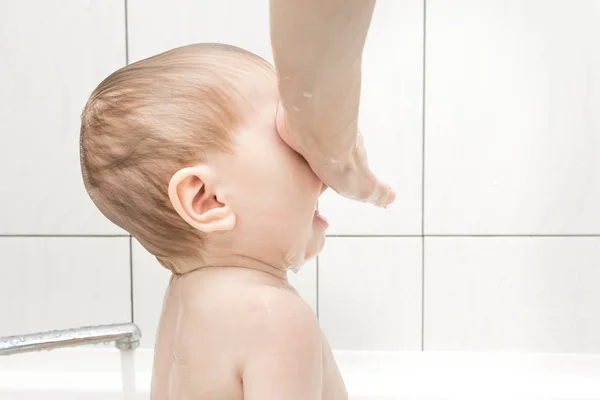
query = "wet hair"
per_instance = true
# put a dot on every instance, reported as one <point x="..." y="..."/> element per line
<point x="148" y="120"/>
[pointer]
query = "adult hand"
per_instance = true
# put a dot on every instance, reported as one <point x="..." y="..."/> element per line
<point x="345" y="171"/>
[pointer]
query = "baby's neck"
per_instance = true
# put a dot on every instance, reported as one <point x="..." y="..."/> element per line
<point x="240" y="261"/>
<point x="243" y="249"/>
<point x="226" y="256"/>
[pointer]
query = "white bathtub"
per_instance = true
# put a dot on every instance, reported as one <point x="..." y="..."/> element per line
<point x="94" y="374"/>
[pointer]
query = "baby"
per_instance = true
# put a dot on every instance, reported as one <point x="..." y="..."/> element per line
<point x="182" y="151"/>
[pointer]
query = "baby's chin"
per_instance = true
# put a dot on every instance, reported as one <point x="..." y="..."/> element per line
<point x="313" y="249"/>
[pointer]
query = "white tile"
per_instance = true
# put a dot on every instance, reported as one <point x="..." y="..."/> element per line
<point x="305" y="282"/>
<point x="156" y="26"/>
<point x="512" y="123"/>
<point x="532" y="294"/>
<point x="60" y="283"/>
<point x="53" y="55"/>
<point x="390" y="121"/>
<point x="370" y="293"/>
<point x="150" y="280"/>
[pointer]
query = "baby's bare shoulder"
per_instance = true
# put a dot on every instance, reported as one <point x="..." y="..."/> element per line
<point x="278" y="305"/>
<point x="274" y="316"/>
<point x="283" y="355"/>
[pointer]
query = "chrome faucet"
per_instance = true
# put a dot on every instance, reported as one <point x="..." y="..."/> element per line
<point x="125" y="336"/>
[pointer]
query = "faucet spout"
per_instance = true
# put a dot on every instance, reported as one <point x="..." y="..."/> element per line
<point x="125" y="336"/>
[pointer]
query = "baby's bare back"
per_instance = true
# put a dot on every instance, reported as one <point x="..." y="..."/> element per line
<point x="240" y="334"/>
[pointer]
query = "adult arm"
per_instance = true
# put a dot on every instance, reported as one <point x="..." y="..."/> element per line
<point x="317" y="47"/>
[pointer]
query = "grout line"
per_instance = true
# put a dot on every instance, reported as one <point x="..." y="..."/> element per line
<point x="373" y="236"/>
<point x="126" y="33"/>
<point x="470" y="236"/>
<point x="317" y="282"/>
<point x="424" y="71"/>
<point x="517" y="235"/>
<point x="131" y="277"/>
<point x="317" y="277"/>
<point x="61" y="236"/>
<point x="423" y="294"/>
<point x="449" y="235"/>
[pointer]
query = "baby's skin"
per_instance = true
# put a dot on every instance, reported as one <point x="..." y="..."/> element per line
<point x="238" y="333"/>
<point x="232" y="327"/>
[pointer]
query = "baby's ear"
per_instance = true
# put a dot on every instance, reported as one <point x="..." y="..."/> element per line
<point x="194" y="199"/>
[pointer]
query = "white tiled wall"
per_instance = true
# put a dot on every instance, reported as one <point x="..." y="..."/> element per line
<point x="156" y="25"/>
<point x="370" y="293"/>
<point x="58" y="283"/>
<point x="54" y="273"/>
<point x="512" y="123"/>
<point x="52" y="55"/>
<point x="512" y="293"/>
<point x="512" y="137"/>
<point x="492" y="145"/>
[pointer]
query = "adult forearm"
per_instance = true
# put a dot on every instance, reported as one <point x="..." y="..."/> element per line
<point x="317" y="46"/>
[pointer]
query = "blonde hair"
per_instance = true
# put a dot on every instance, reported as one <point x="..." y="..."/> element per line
<point x="148" y="120"/>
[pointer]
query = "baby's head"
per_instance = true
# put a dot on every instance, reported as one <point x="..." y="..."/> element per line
<point x="181" y="150"/>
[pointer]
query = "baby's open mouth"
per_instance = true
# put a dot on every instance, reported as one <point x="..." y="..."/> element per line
<point x="321" y="219"/>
